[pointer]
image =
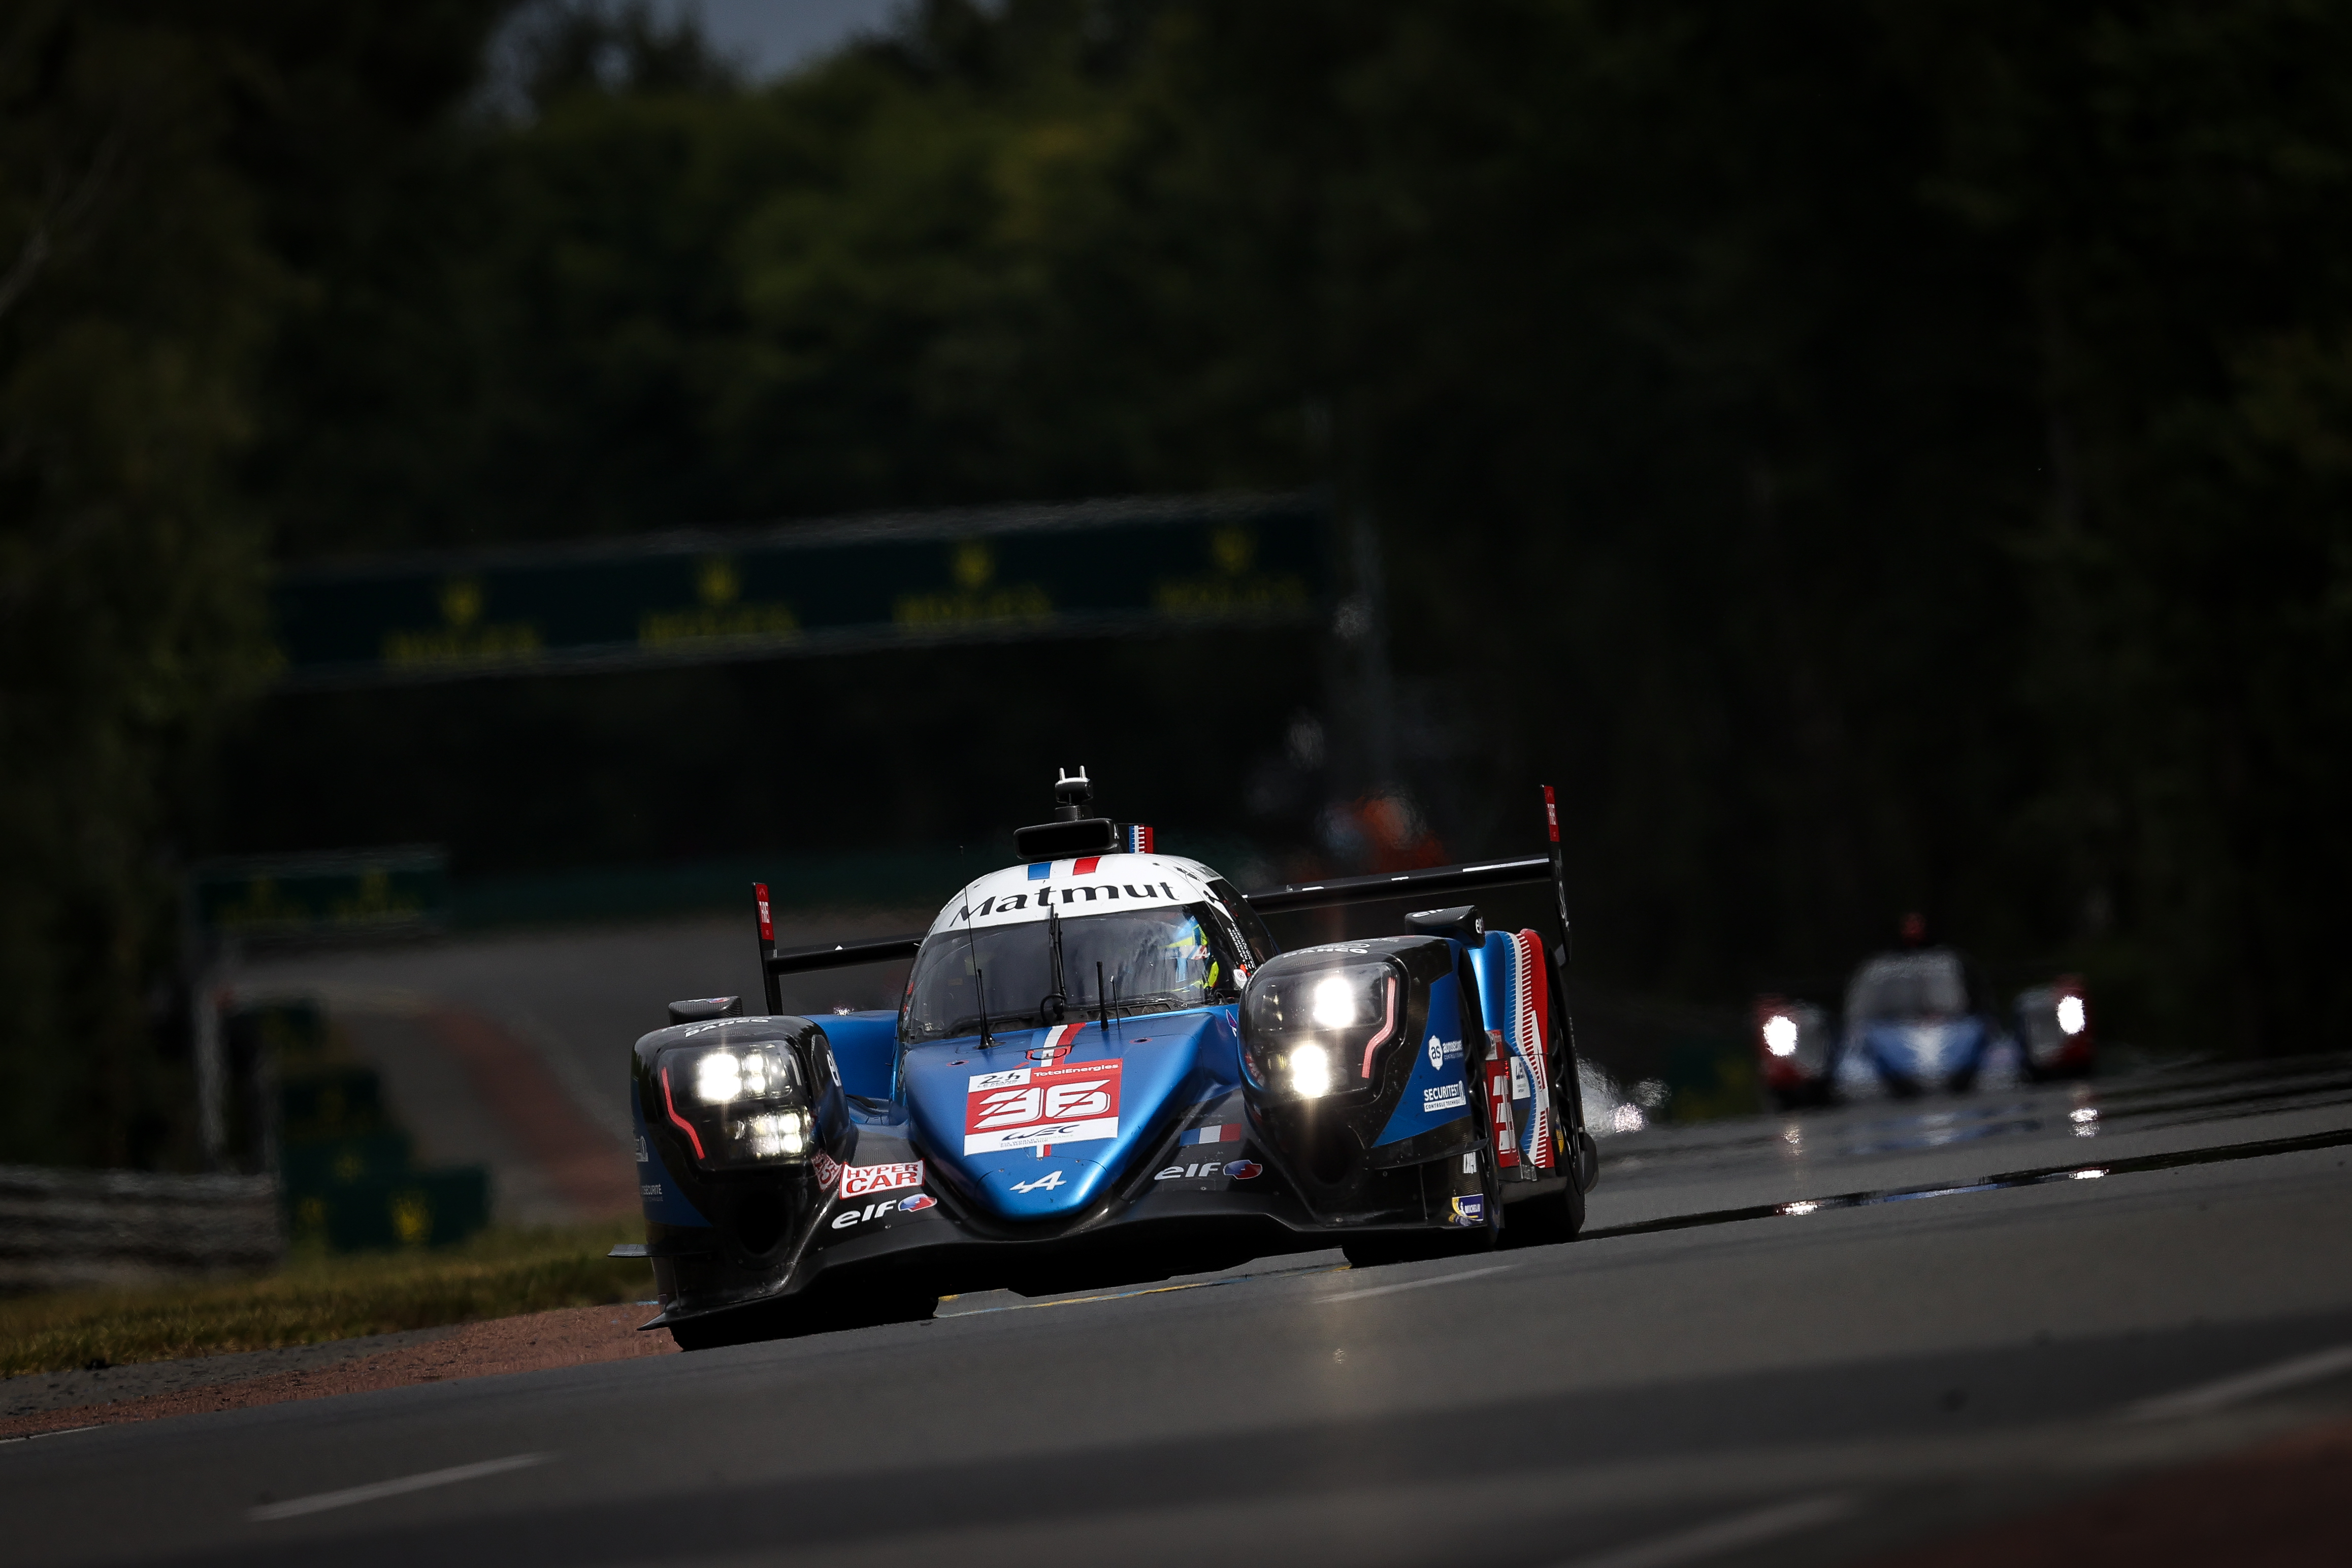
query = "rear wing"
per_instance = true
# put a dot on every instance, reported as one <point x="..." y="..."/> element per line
<point x="774" y="964"/>
<point x="1428" y="882"/>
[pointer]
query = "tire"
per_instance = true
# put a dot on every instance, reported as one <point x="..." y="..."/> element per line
<point x="1557" y="1216"/>
<point x="1438" y="1241"/>
<point x="1568" y="1104"/>
<point x="1546" y="1221"/>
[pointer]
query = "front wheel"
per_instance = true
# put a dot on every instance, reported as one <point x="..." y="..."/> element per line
<point x="1438" y="1241"/>
<point x="1548" y="1220"/>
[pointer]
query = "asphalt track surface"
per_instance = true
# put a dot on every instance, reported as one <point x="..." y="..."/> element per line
<point x="1715" y="1373"/>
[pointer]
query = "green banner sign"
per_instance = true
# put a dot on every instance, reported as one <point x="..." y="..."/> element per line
<point x="1095" y="569"/>
<point x="354" y="892"/>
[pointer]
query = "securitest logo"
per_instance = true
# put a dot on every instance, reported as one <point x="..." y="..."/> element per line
<point x="1445" y="1097"/>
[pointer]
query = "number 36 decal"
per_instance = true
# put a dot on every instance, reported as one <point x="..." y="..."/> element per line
<point x="1049" y="1102"/>
<point x="1067" y="1102"/>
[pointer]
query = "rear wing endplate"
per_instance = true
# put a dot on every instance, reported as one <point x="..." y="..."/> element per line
<point x="775" y="964"/>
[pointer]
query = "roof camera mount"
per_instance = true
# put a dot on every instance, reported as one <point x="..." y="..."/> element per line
<point x="1071" y="832"/>
<point x="1072" y="795"/>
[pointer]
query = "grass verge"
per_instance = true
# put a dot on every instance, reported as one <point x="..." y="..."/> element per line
<point x="320" y="1297"/>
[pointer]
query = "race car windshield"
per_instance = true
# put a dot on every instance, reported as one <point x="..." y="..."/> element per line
<point x="1152" y="961"/>
<point x="1909" y="986"/>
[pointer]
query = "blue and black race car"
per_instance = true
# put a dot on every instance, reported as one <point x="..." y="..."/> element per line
<point x="1918" y="1020"/>
<point x="1105" y="1070"/>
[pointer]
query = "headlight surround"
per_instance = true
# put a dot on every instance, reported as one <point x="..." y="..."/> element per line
<point x="738" y="1104"/>
<point x="1316" y="1033"/>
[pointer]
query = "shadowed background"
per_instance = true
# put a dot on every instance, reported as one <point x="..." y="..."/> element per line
<point x="1870" y="460"/>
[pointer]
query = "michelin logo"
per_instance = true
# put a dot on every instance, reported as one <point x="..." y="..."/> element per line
<point x="1445" y="1097"/>
<point x="1443" y="1051"/>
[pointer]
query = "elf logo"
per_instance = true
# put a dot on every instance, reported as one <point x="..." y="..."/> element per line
<point x="859" y="1214"/>
<point x="1239" y="1170"/>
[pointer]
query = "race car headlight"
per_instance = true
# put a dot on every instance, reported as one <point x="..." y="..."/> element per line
<point x="738" y="1105"/>
<point x="1318" y="1030"/>
<point x="2072" y="1018"/>
<point x="1781" y="1035"/>
<point x="1310" y="1072"/>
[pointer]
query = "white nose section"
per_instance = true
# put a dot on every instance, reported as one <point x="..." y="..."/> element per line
<point x="1927" y="1042"/>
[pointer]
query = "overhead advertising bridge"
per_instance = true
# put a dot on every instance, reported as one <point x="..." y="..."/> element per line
<point x="916" y="579"/>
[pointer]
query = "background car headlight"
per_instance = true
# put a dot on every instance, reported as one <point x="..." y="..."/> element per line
<point x="738" y="1104"/>
<point x="1312" y="1032"/>
<point x="2072" y="1016"/>
<point x="1781" y="1035"/>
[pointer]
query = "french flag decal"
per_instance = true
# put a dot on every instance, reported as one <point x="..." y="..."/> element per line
<point x="1219" y="1133"/>
<point x="1135" y="838"/>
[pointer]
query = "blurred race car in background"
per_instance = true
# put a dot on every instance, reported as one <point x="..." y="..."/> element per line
<point x="1104" y="1069"/>
<point x="1916" y="1021"/>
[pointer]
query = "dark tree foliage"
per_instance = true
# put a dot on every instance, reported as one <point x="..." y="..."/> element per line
<point x="127" y="570"/>
<point x="164" y="173"/>
<point x="1876" y="456"/>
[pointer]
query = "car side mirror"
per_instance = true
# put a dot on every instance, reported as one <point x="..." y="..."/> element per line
<point x="700" y="1009"/>
<point x="1462" y="923"/>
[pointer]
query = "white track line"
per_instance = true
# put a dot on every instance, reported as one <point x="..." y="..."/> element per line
<point x="2228" y="1390"/>
<point x="58" y="1432"/>
<point x="1723" y="1535"/>
<point x="295" y="1506"/>
<point x="1413" y="1284"/>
